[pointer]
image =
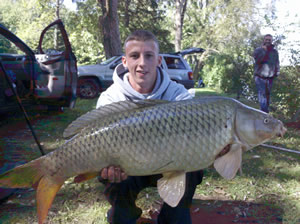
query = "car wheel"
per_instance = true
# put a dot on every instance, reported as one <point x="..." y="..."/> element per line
<point x="88" y="89"/>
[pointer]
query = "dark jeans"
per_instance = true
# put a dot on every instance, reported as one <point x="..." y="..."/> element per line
<point x="264" y="87"/>
<point x="122" y="198"/>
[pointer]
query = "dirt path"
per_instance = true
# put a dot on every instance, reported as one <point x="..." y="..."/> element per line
<point x="204" y="210"/>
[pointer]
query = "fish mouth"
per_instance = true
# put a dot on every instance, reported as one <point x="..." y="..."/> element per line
<point x="281" y="132"/>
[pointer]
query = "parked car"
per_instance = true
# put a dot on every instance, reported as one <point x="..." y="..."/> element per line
<point x="46" y="78"/>
<point x="93" y="79"/>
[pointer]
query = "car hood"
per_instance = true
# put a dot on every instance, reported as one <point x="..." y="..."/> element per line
<point x="86" y="68"/>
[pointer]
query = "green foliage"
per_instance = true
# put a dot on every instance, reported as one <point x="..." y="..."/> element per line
<point x="215" y="71"/>
<point x="228" y="30"/>
<point x="27" y="19"/>
<point x="147" y="15"/>
<point x="84" y="33"/>
<point x="286" y="92"/>
<point x="227" y="73"/>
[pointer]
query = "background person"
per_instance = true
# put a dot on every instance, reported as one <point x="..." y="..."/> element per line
<point x="139" y="77"/>
<point x="266" y="68"/>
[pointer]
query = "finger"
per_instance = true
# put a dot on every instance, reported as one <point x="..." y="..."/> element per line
<point x="104" y="173"/>
<point x="111" y="174"/>
<point x="117" y="174"/>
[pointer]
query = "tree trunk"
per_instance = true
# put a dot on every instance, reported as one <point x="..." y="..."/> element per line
<point x="179" y="16"/>
<point x="127" y="3"/>
<point x="58" y="5"/>
<point x="109" y="26"/>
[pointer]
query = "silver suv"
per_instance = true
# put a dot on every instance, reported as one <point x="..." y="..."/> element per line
<point x="93" y="79"/>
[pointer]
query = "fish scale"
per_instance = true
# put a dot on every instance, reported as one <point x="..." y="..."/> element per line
<point x="143" y="129"/>
<point x="146" y="138"/>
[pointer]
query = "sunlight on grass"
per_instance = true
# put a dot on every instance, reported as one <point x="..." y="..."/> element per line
<point x="269" y="177"/>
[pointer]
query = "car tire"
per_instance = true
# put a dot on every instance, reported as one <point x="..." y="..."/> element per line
<point x="88" y="88"/>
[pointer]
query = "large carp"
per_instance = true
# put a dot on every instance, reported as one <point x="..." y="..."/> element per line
<point x="149" y="137"/>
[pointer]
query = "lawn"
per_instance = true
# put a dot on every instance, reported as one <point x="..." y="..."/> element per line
<point x="269" y="177"/>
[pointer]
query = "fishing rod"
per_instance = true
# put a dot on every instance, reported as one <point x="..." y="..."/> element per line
<point x="280" y="148"/>
<point x="22" y="108"/>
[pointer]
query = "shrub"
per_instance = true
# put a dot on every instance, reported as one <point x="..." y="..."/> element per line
<point x="286" y="92"/>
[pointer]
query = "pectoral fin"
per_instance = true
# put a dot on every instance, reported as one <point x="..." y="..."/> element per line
<point x="171" y="187"/>
<point x="85" y="176"/>
<point x="228" y="164"/>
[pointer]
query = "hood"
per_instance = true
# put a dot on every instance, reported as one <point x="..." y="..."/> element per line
<point x="120" y="78"/>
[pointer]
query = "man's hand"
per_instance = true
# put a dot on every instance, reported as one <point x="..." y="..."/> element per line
<point x="113" y="174"/>
<point x="264" y="47"/>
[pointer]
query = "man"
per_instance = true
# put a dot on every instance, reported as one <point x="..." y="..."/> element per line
<point x="266" y="68"/>
<point x="140" y="77"/>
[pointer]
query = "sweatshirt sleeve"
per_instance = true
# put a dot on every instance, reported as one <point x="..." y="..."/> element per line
<point x="178" y="92"/>
<point x="111" y="95"/>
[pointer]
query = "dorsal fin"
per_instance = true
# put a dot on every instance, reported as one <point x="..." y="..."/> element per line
<point x="108" y="110"/>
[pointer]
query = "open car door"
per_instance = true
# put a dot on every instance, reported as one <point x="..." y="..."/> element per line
<point x="48" y="78"/>
<point x="57" y="84"/>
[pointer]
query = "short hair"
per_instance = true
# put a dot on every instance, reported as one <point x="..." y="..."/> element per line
<point x="268" y="35"/>
<point x="141" y="35"/>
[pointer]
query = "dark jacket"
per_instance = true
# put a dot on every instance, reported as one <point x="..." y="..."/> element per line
<point x="266" y="62"/>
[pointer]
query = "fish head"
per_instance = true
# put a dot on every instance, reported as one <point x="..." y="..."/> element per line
<point x="254" y="127"/>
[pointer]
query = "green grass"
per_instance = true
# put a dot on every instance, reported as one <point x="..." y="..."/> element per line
<point x="269" y="177"/>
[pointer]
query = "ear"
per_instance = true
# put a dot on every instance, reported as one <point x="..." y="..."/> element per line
<point x="159" y="60"/>
<point x="124" y="61"/>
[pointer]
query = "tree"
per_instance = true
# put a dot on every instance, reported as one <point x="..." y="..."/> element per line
<point x="227" y="30"/>
<point x="86" y="34"/>
<point x="28" y="18"/>
<point x="179" y="17"/>
<point x="147" y="15"/>
<point x="109" y="25"/>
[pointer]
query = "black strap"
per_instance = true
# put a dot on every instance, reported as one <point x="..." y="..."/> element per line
<point x="22" y="108"/>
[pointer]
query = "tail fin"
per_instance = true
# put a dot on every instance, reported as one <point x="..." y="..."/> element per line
<point x="45" y="195"/>
<point x="31" y="175"/>
<point x="24" y="176"/>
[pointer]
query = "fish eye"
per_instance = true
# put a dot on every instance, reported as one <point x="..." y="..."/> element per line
<point x="266" y="120"/>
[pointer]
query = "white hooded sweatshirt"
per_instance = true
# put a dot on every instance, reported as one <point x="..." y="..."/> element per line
<point x="120" y="90"/>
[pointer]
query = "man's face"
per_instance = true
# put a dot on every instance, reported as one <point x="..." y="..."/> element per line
<point x="267" y="40"/>
<point x="142" y="58"/>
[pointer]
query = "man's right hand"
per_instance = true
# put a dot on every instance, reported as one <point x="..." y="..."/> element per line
<point x="113" y="174"/>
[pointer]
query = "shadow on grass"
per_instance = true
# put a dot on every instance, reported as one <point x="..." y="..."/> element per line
<point x="224" y="212"/>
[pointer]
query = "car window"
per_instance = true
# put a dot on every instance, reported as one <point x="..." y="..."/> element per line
<point x="117" y="62"/>
<point x="7" y="46"/>
<point x="108" y="60"/>
<point x="17" y="65"/>
<point x="53" y="42"/>
<point x="174" y="63"/>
